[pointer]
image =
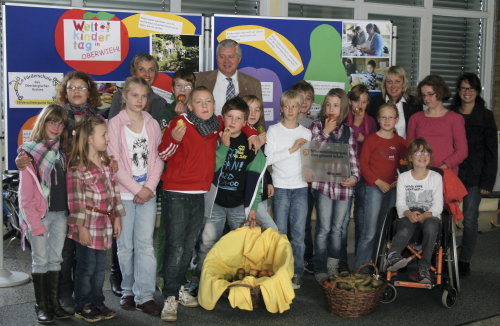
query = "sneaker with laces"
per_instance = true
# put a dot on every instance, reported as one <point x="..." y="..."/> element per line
<point x="169" y="311"/>
<point x="296" y="282"/>
<point x="395" y="262"/>
<point x="332" y="266"/>
<point x="423" y="275"/>
<point x="105" y="312"/>
<point x="186" y="299"/>
<point x="89" y="313"/>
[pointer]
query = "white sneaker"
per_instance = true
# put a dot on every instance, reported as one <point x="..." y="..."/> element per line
<point x="169" y="312"/>
<point x="296" y="282"/>
<point x="186" y="299"/>
<point x="332" y="266"/>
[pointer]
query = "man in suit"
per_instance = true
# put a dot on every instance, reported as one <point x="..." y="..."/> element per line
<point x="227" y="82"/>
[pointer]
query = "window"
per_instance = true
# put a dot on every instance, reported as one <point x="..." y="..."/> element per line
<point x="456" y="47"/>
<point x="231" y="7"/>
<point x="461" y="4"/>
<point x="144" y="5"/>
<point x="298" y="10"/>
<point x="407" y="45"/>
<point x="400" y="2"/>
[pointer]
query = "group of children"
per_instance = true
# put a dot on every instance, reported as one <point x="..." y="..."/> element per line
<point x="216" y="171"/>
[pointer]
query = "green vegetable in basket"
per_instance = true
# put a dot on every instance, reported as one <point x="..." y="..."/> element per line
<point x="363" y="288"/>
<point x="344" y="286"/>
<point x="376" y="283"/>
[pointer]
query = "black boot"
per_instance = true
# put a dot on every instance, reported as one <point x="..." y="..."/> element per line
<point x="53" y="295"/>
<point x="43" y="315"/>
<point x="66" y="277"/>
<point x="116" y="275"/>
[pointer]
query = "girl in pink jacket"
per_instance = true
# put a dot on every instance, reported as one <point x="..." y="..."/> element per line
<point x="44" y="213"/>
<point x="134" y="137"/>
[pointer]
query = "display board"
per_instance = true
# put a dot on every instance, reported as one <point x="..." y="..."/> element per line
<point x="281" y="51"/>
<point x="41" y="44"/>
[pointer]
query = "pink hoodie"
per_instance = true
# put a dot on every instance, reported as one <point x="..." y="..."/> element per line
<point x="32" y="205"/>
<point x="118" y="148"/>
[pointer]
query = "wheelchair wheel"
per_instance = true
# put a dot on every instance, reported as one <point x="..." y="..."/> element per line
<point x="384" y="241"/>
<point x="449" y="297"/>
<point x="452" y="259"/>
<point x="389" y="294"/>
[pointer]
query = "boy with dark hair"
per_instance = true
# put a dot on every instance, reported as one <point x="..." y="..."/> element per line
<point x="236" y="188"/>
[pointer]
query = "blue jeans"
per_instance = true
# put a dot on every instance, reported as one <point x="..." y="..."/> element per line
<point x="290" y="208"/>
<point x="377" y="205"/>
<point x="214" y="227"/>
<point x="263" y="216"/>
<point x="183" y="222"/>
<point x="46" y="249"/>
<point x="89" y="277"/>
<point x="345" y="232"/>
<point x="331" y="216"/>
<point x="136" y="251"/>
<point x="471" y="214"/>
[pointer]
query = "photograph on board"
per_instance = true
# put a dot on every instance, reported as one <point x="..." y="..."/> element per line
<point x="366" y="39"/>
<point x="367" y="71"/>
<point x="174" y="52"/>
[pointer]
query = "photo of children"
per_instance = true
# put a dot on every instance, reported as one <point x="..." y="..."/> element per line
<point x="366" y="71"/>
<point x="372" y="39"/>
<point x="174" y="52"/>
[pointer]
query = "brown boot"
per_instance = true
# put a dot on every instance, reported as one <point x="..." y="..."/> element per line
<point x="43" y="314"/>
<point x="53" y="295"/>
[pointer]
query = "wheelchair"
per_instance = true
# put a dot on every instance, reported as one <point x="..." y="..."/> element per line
<point x="444" y="267"/>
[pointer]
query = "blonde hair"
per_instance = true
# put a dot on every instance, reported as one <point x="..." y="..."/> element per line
<point x="414" y="146"/>
<point x="129" y="82"/>
<point x="344" y="104"/>
<point x="291" y="96"/>
<point x="399" y="72"/>
<point x="79" y="156"/>
<point x="388" y="105"/>
<point x="52" y="112"/>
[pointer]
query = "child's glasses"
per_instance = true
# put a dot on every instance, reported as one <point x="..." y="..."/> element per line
<point x="422" y="154"/>
<point x="57" y="124"/>
<point x="76" y="89"/>
<point x="186" y="87"/>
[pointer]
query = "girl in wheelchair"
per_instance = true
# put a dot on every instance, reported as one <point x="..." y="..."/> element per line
<point x="419" y="204"/>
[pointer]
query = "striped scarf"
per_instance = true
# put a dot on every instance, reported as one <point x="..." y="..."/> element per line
<point x="45" y="155"/>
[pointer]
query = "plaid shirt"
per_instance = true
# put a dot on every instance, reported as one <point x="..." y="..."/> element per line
<point x="97" y="188"/>
<point x="332" y="189"/>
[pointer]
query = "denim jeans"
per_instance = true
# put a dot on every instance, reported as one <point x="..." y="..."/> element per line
<point x="183" y="222"/>
<point x="46" y="249"/>
<point x="263" y="216"/>
<point x="345" y="232"/>
<point x="331" y="215"/>
<point x="136" y="251"/>
<point x="214" y="228"/>
<point x="359" y="210"/>
<point x="377" y="205"/>
<point x="471" y="214"/>
<point x="290" y="208"/>
<point x="405" y="231"/>
<point x="89" y="277"/>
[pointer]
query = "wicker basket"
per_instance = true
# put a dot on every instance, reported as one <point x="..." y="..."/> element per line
<point x="353" y="303"/>
<point x="255" y="293"/>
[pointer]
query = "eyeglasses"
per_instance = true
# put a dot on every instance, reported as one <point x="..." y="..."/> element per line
<point x="57" y="124"/>
<point x="77" y="89"/>
<point x="388" y="118"/>
<point x="186" y="87"/>
<point x="422" y="154"/>
<point x="428" y="95"/>
<point x="466" y="89"/>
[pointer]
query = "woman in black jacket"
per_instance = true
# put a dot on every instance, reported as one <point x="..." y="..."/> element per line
<point x="395" y="89"/>
<point x="478" y="171"/>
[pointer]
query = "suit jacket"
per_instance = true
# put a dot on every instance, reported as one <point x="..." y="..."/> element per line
<point x="247" y="84"/>
<point x="409" y="107"/>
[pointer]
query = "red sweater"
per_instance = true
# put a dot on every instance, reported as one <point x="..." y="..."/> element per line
<point x="380" y="158"/>
<point x="191" y="161"/>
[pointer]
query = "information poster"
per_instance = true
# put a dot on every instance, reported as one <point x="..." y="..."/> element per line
<point x="325" y="162"/>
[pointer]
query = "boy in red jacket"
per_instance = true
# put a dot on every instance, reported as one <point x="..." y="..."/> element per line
<point x="188" y="145"/>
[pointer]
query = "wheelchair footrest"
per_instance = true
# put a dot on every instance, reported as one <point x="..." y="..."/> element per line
<point x="413" y="285"/>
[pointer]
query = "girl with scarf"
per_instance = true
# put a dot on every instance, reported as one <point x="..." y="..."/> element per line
<point x="44" y="213"/>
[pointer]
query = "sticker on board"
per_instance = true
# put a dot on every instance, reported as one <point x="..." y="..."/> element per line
<point x="95" y="43"/>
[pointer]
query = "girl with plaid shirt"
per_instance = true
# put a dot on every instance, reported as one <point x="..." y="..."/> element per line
<point x="333" y="199"/>
<point x="95" y="208"/>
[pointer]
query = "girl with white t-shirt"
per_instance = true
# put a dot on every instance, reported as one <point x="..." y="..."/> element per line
<point x="134" y="136"/>
<point x="419" y="204"/>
